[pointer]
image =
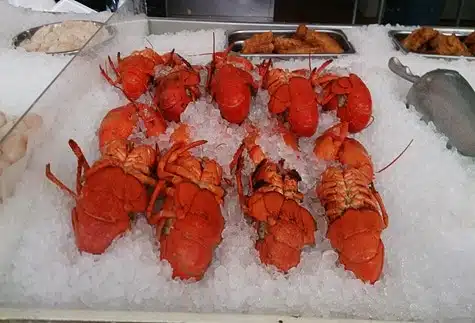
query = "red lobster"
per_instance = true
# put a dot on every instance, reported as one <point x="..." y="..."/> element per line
<point x="231" y="85"/>
<point x="134" y="72"/>
<point x="120" y="122"/>
<point x="284" y="226"/>
<point x="190" y="224"/>
<point x="292" y="93"/>
<point x="176" y="87"/>
<point x="107" y="193"/>
<point x="354" y="209"/>
<point x="347" y="94"/>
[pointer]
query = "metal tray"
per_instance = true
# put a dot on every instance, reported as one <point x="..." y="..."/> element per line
<point x="237" y="38"/>
<point x="398" y="35"/>
<point x="27" y="34"/>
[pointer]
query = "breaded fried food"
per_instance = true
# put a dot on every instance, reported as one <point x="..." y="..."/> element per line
<point x="449" y="45"/>
<point x="259" y="44"/>
<point x="470" y="43"/>
<point x="284" y="45"/>
<point x="301" y="32"/>
<point x="417" y="39"/>
<point x="470" y="40"/>
<point x="322" y="41"/>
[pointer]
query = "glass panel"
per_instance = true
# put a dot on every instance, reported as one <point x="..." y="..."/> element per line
<point x="40" y="136"/>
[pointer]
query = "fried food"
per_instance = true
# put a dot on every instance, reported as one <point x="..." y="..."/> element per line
<point x="318" y="40"/>
<point x="293" y="46"/>
<point x="419" y="38"/>
<point x="427" y="40"/>
<point x="449" y="45"/>
<point x="259" y="43"/>
<point x="470" y="43"/>
<point x="303" y="41"/>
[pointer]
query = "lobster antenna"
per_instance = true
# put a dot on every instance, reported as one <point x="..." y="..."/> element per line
<point x="184" y="60"/>
<point x="211" y="67"/>
<point x="309" y="62"/>
<point x="148" y="41"/>
<point x="395" y="159"/>
<point x="324" y="65"/>
<point x="214" y="44"/>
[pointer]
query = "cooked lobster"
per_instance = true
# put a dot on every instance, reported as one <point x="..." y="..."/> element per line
<point x="119" y="123"/>
<point x="354" y="209"/>
<point x="284" y="226"/>
<point x="190" y="223"/>
<point x="291" y="95"/>
<point x="107" y="193"/>
<point x="348" y="95"/>
<point x="231" y="85"/>
<point x="134" y="73"/>
<point x="176" y="86"/>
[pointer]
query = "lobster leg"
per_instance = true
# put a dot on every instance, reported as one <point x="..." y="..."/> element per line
<point x="111" y="63"/>
<point x="105" y="163"/>
<point x="172" y="154"/>
<point x="82" y="165"/>
<point x="242" y="198"/>
<point x="107" y="77"/>
<point x="182" y="172"/>
<point x="154" y="218"/>
<point x="57" y="182"/>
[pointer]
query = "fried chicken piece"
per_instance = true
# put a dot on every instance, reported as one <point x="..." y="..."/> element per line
<point x="319" y="40"/>
<point x="470" y="43"/>
<point x="300" y="32"/>
<point x="293" y="46"/>
<point x="470" y="39"/>
<point x="449" y="45"/>
<point x="418" y="38"/>
<point x="259" y="44"/>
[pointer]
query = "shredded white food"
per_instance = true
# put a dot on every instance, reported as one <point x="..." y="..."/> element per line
<point x="67" y="36"/>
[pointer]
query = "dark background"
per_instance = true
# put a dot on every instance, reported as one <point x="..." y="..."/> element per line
<point x="408" y="12"/>
<point x="404" y="12"/>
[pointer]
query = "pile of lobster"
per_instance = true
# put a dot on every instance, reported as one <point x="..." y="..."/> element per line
<point x="181" y="194"/>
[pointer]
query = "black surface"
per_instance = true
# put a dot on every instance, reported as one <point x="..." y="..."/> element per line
<point x="242" y="10"/>
<point x="412" y="12"/>
<point x="314" y="11"/>
<point x="156" y="8"/>
<point x="99" y="5"/>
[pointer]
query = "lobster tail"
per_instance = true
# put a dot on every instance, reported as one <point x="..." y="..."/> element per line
<point x="356" y="236"/>
<point x="188" y="245"/>
<point x="283" y="225"/>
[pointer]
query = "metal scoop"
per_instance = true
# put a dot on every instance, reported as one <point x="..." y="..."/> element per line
<point x="445" y="98"/>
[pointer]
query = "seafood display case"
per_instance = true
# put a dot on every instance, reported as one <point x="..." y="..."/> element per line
<point x="57" y="106"/>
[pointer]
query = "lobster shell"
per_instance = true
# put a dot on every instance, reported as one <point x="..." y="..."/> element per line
<point x="104" y="200"/>
<point x="189" y="242"/>
<point x="292" y="92"/>
<point x="134" y="72"/>
<point x="231" y="85"/>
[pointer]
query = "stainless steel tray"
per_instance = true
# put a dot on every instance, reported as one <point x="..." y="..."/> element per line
<point x="397" y="37"/>
<point x="237" y="38"/>
<point x="27" y="34"/>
